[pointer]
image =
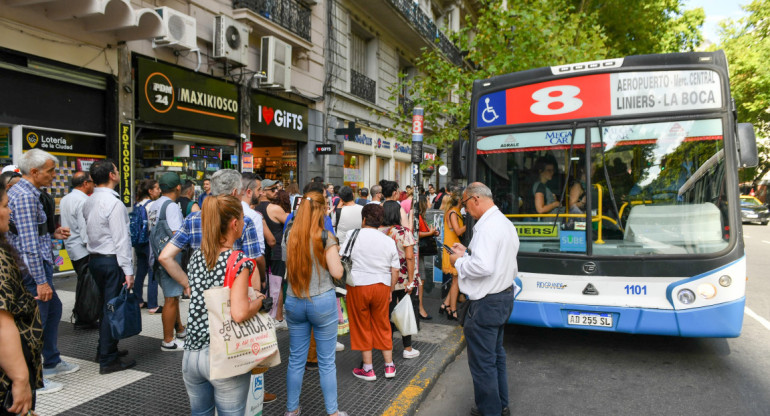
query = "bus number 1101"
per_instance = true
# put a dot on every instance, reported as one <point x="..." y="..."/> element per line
<point x="636" y="289"/>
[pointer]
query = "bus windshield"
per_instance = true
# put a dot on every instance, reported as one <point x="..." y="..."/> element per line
<point x="655" y="188"/>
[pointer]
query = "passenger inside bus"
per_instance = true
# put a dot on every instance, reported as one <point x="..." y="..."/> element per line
<point x="546" y="201"/>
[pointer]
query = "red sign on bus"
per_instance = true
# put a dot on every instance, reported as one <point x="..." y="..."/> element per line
<point x="582" y="97"/>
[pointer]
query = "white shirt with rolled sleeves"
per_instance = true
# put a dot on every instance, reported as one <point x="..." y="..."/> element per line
<point x="107" y="227"/>
<point x="71" y="209"/>
<point x="492" y="265"/>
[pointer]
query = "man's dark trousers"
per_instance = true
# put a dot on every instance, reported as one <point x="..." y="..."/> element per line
<point x="484" y="326"/>
<point x="50" y="316"/>
<point x="110" y="279"/>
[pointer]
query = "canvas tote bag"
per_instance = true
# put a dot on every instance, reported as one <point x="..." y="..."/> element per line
<point x="237" y="348"/>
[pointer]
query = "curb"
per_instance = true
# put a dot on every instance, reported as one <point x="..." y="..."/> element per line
<point x="407" y="402"/>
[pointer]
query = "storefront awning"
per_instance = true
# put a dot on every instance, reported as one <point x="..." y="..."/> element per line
<point x="116" y="16"/>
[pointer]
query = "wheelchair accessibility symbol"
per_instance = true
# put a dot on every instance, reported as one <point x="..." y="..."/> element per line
<point x="488" y="114"/>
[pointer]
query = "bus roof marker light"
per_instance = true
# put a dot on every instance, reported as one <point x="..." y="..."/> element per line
<point x="707" y="290"/>
<point x="686" y="296"/>
<point x="725" y="281"/>
<point x="486" y="84"/>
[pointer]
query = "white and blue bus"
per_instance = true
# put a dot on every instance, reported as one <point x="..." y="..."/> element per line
<point x="621" y="177"/>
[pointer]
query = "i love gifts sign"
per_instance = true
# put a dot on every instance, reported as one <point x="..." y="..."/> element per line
<point x="276" y="117"/>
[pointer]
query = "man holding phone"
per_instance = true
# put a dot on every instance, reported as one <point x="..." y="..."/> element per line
<point x="486" y="276"/>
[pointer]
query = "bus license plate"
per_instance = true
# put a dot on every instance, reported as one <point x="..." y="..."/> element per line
<point x="590" y="319"/>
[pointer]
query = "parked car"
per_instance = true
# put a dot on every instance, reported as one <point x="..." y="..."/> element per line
<point x="753" y="211"/>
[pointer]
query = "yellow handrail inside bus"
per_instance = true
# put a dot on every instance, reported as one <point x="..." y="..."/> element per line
<point x="599" y="218"/>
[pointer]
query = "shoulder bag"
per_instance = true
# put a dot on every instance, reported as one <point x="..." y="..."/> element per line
<point x="347" y="262"/>
<point x="231" y="353"/>
<point x="427" y="245"/>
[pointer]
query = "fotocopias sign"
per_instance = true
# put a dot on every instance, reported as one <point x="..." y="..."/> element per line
<point x="175" y="96"/>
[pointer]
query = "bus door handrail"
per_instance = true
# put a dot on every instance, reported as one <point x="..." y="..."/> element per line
<point x="598" y="218"/>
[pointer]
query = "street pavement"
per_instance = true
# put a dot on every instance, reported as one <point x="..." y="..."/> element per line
<point x="572" y="372"/>
<point x="155" y="385"/>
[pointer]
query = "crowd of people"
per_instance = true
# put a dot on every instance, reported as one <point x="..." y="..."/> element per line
<point x="176" y="241"/>
<point x="181" y="243"/>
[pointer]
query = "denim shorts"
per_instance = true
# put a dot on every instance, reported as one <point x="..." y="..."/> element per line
<point x="171" y="288"/>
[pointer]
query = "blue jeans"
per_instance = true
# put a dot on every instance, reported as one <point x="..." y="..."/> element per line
<point x="50" y="315"/>
<point x="143" y="269"/>
<point x="320" y="314"/>
<point x="484" y="325"/>
<point x="228" y="395"/>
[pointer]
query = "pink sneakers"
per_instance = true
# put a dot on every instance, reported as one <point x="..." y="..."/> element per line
<point x="390" y="371"/>
<point x="366" y="375"/>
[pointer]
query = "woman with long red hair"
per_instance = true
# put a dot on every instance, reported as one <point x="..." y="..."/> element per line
<point x="311" y="304"/>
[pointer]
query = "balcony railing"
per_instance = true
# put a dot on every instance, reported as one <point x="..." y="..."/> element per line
<point x="362" y="86"/>
<point x="428" y="29"/>
<point x="287" y="13"/>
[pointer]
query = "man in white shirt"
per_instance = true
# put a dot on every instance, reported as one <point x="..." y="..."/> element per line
<point x="110" y="256"/>
<point x="431" y="194"/>
<point x="486" y="271"/>
<point x="171" y="187"/>
<point x="350" y="215"/>
<point x="377" y="197"/>
<point x="71" y="209"/>
<point x="251" y="191"/>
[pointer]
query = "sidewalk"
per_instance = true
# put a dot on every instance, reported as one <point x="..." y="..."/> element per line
<point x="155" y="386"/>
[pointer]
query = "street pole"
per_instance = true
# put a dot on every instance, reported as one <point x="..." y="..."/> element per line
<point x="417" y="125"/>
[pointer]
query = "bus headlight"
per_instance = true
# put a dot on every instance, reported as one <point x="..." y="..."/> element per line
<point x="707" y="290"/>
<point x="686" y="296"/>
<point x="725" y="281"/>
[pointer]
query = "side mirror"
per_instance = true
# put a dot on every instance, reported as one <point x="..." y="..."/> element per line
<point x="747" y="146"/>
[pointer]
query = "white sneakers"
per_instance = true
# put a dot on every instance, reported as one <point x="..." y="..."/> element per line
<point x="414" y="353"/>
<point x="62" y="368"/>
<point x="50" y="386"/>
<point x="174" y="345"/>
<point x="340" y="347"/>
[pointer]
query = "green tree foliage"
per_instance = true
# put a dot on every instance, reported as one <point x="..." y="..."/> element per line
<point x="747" y="46"/>
<point x="635" y="27"/>
<point x="510" y="36"/>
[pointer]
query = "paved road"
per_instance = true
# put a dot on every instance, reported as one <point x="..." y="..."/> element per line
<point x="567" y="372"/>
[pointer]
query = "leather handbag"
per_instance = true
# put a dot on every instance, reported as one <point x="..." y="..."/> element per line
<point x="347" y="262"/>
<point x="124" y="315"/>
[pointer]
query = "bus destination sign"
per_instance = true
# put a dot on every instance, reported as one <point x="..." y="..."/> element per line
<point x="602" y="95"/>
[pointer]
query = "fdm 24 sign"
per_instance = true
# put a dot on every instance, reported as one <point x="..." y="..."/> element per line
<point x="175" y="96"/>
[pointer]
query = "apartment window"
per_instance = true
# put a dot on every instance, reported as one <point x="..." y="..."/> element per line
<point x="358" y="53"/>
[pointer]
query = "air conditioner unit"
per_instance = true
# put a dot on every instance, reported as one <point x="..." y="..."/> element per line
<point x="180" y="28"/>
<point x="231" y="40"/>
<point x="275" y="63"/>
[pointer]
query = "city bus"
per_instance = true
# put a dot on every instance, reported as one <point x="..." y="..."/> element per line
<point x="621" y="178"/>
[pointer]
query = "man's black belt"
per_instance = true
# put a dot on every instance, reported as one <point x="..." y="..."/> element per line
<point x="109" y="256"/>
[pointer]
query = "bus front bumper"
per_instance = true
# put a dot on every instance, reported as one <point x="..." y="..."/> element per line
<point x="723" y="320"/>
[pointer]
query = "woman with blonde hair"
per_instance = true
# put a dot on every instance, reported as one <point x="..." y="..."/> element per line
<point x="221" y="226"/>
<point x="454" y="227"/>
<point x="311" y="303"/>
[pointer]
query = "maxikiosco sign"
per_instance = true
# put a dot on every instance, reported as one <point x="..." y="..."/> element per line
<point x="175" y="96"/>
<point x="275" y="117"/>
